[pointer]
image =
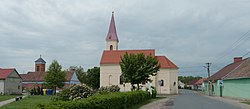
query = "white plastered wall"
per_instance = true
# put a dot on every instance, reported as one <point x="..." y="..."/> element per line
<point x="110" y="75"/>
<point x="114" y="43"/>
<point x="169" y="76"/>
<point x="1" y="86"/>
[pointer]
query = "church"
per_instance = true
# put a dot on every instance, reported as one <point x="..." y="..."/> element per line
<point x="165" y="82"/>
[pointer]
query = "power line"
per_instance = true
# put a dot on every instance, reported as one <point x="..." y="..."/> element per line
<point x="232" y="48"/>
<point x="246" y="54"/>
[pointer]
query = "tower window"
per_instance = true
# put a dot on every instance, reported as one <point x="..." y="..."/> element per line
<point x="111" y="47"/>
<point x="37" y="68"/>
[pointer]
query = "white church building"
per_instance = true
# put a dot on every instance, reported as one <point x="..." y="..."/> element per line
<point x="165" y="82"/>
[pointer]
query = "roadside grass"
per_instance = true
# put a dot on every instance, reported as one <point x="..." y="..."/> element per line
<point x="29" y="102"/>
<point x="6" y="97"/>
<point x="247" y="102"/>
<point x="146" y="102"/>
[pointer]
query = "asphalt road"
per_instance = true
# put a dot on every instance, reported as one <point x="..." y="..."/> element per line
<point x="192" y="100"/>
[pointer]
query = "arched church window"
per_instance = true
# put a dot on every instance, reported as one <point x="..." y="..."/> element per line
<point x="111" y="47"/>
<point x="121" y="79"/>
<point x="110" y="78"/>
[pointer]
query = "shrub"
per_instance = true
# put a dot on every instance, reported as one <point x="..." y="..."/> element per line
<point x="154" y="92"/>
<point x="75" y="92"/>
<point x="79" y="92"/>
<point x="116" y="100"/>
<point x="107" y="89"/>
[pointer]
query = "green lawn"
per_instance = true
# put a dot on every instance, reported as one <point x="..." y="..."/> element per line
<point x="29" y="102"/>
<point x="6" y="97"/>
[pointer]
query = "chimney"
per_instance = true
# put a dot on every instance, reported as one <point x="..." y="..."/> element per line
<point x="237" y="59"/>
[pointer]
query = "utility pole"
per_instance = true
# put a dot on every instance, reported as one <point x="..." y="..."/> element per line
<point x="208" y="72"/>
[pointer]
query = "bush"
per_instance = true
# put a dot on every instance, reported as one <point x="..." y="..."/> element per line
<point x="75" y="92"/>
<point x="107" y="89"/>
<point x="116" y="100"/>
<point x="154" y="92"/>
<point x="79" y="92"/>
<point x="62" y="95"/>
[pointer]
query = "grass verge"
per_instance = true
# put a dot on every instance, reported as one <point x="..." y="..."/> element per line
<point x="247" y="102"/>
<point x="146" y="102"/>
<point x="29" y="102"/>
<point x="6" y="97"/>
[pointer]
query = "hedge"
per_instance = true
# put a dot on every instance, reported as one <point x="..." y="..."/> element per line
<point x="116" y="100"/>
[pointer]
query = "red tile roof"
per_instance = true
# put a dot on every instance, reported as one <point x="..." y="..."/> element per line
<point x="114" y="57"/>
<point x="242" y="71"/>
<point x="227" y="71"/>
<point x="200" y="81"/>
<point x="40" y="76"/>
<point x="33" y="77"/>
<point x="165" y="62"/>
<point x="192" y="82"/>
<point x="5" y="72"/>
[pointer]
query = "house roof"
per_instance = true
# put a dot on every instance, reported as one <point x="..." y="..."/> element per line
<point x="33" y="77"/>
<point x="114" y="56"/>
<point x="232" y="70"/>
<point x="40" y="76"/>
<point x="242" y="71"/>
<point x="200" y="81"/>
<point x="192" y="82"/>
<point x="165" y="62"/>
<point x="40" y="61"/>
<point x="112" y="35"/>
<point x="4" y="73"/>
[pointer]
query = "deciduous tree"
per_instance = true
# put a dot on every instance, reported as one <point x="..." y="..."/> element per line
<point x="137" y="68"/>
<point x="55" y="77"/>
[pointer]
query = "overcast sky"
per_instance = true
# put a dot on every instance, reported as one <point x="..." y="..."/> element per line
<point x="189" y="32"/>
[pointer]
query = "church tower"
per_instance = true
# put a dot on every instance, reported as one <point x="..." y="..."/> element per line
<point x="40" y="65"/>
<point x="112" y="38"/>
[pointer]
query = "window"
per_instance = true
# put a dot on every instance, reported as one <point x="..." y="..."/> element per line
<point x="111" y="47"/>
<point x="110" y="77"/>
<point x="37" y="68"/>
<point x="121" y="79"/>
<point x="161" y="82"/>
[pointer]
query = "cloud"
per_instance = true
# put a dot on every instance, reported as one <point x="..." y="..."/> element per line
<point x="73" y="32"/>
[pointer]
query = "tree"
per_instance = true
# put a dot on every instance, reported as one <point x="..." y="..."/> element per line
<point x="137" y="68"/>
<point x="81" y="75"/>
<point x="93" y="77"/>
<point x="55" y="77"/>
<point x="186" y="79"/>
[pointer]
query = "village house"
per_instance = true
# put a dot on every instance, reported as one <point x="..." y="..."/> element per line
<point x="10" y="81"/>
<point x="231" y="81"/>
<point x="165" y="82"/>
<point x="37" y="78"/>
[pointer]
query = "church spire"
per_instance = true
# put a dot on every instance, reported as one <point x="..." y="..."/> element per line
<point x="112" y="35"/>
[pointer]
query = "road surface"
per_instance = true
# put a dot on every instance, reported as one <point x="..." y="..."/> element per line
<point x="192" y="100"/>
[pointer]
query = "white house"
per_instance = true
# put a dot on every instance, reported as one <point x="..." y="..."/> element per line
<point x="166" y="80"/>
<point x="10" y="81"/>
